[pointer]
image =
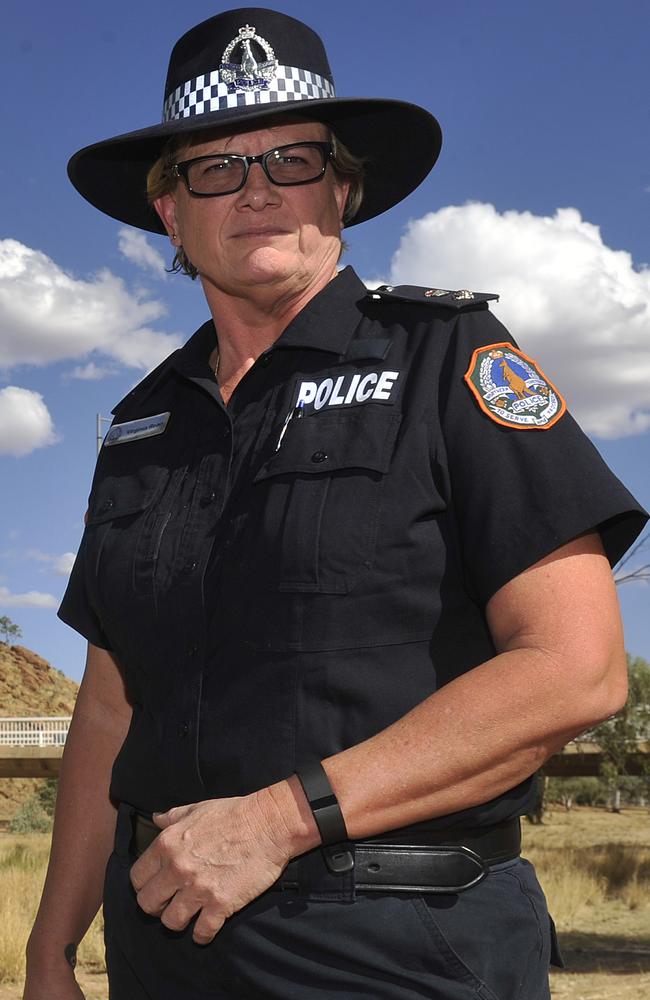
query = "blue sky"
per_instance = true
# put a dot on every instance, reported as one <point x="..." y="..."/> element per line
<point x="541" y="194"/>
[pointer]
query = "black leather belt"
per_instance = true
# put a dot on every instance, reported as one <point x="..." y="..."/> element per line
<point x="428" y="862"/>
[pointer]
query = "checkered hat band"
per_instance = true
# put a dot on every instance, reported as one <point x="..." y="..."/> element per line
<point x="208" y="92"/>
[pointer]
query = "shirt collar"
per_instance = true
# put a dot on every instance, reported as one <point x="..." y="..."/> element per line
<point x="193" y="358"/>
<point x="326" y="323"/>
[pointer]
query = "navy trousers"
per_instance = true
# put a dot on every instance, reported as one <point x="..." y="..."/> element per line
<point x="492" y="942"/>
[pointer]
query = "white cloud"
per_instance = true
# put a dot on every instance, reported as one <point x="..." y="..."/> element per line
<point x="91" y="372"/>
<point x="59" y="564"/>
<point x="32" y="599"/>
<point x="47" y="315"/>
<point x="62" y="565"/>
<point x="25" y="421"/>
<point x="578" y="307"/>
<point x="135" y="246"/>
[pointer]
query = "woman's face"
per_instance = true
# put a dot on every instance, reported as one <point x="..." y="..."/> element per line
<point x="262" y="235"/>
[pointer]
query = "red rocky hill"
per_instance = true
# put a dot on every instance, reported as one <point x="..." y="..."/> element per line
<point x="29" y="685"/>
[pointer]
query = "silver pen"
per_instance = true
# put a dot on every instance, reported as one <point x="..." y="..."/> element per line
<point x="296" y="412"/>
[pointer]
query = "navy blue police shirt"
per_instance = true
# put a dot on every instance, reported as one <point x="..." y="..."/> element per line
<point x="281" y="578"/>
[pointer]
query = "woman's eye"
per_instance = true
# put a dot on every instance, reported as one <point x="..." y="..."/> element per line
<point x="291" y="160"/>
<point x="217" y="166"/>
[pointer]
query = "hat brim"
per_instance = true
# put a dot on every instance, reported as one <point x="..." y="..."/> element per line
<point x="112" y="175"/>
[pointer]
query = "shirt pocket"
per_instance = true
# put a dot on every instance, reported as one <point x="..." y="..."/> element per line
<point x="124" y="529"/>
<point x="321" y="500"/>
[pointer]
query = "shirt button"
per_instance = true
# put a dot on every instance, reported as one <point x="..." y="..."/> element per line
<point x="226" y="432"/>
<point x="265" y="359"/>
<point x="193" y="649"/>
<point x="183" y="730"/>
<point x="318" y="456"/>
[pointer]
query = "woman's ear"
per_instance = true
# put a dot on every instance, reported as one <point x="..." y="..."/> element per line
<point x="341" y="192"/>
<point x="165" y="206"/>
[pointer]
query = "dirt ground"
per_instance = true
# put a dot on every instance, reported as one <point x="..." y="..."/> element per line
<point x="94" y="987"/>
<point x="602" y="975"/>
<point x="603" y="971"/>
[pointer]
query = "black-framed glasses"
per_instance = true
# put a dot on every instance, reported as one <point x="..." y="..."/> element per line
<point x="225" y="173"/>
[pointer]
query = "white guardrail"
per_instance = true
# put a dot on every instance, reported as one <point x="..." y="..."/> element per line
<point x="34" y="731"/>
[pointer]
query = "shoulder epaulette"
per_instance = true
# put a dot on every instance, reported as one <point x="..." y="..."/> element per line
<point x="460" y="299"/>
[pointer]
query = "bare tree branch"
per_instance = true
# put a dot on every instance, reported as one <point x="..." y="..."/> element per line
<point x="640" y="572"/>
<point x="634" y="576"/>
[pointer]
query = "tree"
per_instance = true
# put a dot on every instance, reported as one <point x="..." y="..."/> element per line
<point x="580" y="791"/>
<point x="9" y="629"/>
<point x="618" y="737"/>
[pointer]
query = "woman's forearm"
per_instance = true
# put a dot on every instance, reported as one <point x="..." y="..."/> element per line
<point x="84" y="822"/>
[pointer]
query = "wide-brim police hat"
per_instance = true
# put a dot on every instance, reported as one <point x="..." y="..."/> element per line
<point x="242" y="67"/>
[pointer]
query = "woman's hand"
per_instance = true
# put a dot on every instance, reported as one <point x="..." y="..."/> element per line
<point x="214" y="857"/>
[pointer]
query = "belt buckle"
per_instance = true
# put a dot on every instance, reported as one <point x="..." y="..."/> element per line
<point x="145" y="832"/>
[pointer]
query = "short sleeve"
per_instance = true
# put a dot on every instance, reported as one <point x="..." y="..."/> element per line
<point x="75" y="609"/>
<point x="519" y="492"/>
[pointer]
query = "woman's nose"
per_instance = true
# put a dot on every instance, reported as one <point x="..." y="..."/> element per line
<point x="258" y="191"/>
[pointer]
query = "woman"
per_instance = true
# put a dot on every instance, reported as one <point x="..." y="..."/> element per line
<point x="317" y="533"/>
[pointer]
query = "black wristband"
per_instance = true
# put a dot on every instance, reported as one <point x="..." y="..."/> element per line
<point x="323" y="803"/>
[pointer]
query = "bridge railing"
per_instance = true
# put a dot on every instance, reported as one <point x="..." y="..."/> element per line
<point x="35" y="731"/>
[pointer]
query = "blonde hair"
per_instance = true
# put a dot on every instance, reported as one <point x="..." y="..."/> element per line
<point x="161" y="181"/>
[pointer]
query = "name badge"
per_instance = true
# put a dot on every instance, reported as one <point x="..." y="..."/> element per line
<point x="135" y="430"/>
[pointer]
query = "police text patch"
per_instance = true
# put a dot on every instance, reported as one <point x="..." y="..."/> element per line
<point x="135" y="430"/>
<point x="512" y="390"/>
<point x="348" y="390"/>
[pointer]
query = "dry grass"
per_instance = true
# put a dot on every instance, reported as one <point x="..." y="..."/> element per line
<point x="576" y="880"/>
<point x="595" y="869"/>
<point x="593" y="863"/>
<point x="23" y="860"/>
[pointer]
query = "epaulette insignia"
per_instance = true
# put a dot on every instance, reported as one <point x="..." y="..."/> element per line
<point x="460" y="299"/>
<point x="512" y="389"/>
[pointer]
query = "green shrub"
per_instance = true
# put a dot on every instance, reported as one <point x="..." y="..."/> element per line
<point x="31" y="818"/>
<point x="46" y="795"/>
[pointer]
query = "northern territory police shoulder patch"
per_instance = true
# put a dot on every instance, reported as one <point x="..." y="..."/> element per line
<point x="512" y="390"/>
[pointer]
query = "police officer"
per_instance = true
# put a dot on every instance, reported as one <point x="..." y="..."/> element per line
<point x="345" y="580"/>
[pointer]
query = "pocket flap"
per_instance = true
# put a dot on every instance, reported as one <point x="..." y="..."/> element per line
<point x="117" y="496"/>
<point x="322" y="443"/>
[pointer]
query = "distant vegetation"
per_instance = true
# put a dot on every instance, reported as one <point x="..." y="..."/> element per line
<point x="36" y="814"/>
<point x="617" y="737"/>
<point x="9" y="630"/>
